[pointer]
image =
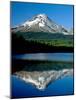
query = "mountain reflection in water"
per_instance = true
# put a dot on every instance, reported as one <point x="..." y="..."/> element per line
<point x="42" y="73"/>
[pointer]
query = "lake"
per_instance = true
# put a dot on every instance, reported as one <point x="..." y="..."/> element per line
<point x="59" y="62"/>
<point x="46" y="56"/>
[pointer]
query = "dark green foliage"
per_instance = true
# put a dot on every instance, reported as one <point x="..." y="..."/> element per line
<point x="44" y="66"/>
<point x="55" y="39"/>
<point x="41" y="42"/>
<point x="54" y="42"/>
<point x="30" y="65"/>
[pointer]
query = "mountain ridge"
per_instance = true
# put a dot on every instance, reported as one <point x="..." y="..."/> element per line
<point x="40" y="23"/>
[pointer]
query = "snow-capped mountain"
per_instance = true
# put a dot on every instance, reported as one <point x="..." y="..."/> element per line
<point x="40" y="23"/>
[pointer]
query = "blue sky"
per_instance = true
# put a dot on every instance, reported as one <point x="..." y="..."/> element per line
<point x="22" y="11"/>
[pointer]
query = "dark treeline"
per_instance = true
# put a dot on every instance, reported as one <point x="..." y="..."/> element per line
<point x="20" y="45"/>
<point x="31" y="65"/>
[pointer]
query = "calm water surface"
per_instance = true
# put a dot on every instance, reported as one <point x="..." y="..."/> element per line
<point x="62" y="86"/>
<point x="46" y="56"/>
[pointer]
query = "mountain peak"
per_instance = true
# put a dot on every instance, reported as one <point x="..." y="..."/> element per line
<point x="41" y="16"/>
<point x="38" y="18"/>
